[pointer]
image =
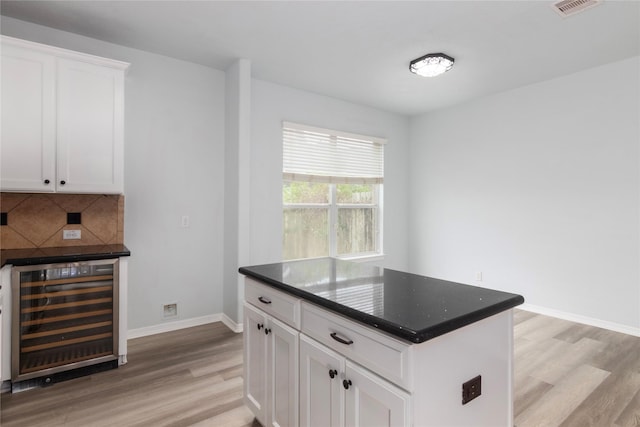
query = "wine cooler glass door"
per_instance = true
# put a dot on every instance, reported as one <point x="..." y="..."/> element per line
<point x="63" y="317"/>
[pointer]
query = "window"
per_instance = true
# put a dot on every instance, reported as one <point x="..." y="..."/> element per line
<point x="331" y="192"/>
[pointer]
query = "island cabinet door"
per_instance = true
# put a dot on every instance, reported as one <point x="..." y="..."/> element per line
<point x="371" y="401"/>
<point x="321" y="391"/>
<point x="255" y="362"/>
<point x="282" y="378"/>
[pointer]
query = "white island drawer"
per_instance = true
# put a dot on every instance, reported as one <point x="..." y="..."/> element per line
<point x="276" y="303"/>
<point x="381" y="353"/>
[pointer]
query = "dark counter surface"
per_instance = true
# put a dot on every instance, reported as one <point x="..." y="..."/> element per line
<point x="36" y="256"/>
<point x="411" y="307"/>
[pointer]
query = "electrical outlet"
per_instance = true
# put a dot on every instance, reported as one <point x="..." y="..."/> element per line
<point x="471" y="389"/>
<point x="185" y="221"/>
<point x="71" y="234"/>
<point x="170" y="310"/>
<point x="478" y="276"/>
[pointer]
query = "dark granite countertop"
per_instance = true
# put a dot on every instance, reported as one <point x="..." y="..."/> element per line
<point x="61" y="254"/>
<point x="411" y="307"/>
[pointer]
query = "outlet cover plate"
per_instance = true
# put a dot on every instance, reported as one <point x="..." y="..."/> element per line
<point x="169" y="310"/>
<point x="71" y="234"/>
<point x="471" y="389"/>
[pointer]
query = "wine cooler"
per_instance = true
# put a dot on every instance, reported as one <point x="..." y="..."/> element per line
<point x="65" y="316"/>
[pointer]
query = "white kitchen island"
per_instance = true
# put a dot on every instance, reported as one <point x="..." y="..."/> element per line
<point x="335" y="343"/>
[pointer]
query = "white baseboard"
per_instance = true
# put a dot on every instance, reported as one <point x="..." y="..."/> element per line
<point x="612" y="326"/>
<point x="235" y="327"/>
<point x="181" y="324"/>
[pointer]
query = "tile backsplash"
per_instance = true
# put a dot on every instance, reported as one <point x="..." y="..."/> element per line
<point x="37" y="220"/>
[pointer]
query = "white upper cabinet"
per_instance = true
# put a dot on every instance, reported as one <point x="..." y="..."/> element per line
<point x="62" y="120"/>
<point x="28" y="126"/>
<point x="90" y="128"/>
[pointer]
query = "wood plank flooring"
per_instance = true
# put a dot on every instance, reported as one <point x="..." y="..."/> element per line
<point x="191" y="377"/>
<point x="572" y="375"/>
<point x="566" y="375"/>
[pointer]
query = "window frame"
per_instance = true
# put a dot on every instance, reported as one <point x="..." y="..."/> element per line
<point x="317" y="163"/>
<point x="333" y="207"/>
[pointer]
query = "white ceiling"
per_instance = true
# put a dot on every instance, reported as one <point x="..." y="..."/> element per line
<point x="359" y="51"/>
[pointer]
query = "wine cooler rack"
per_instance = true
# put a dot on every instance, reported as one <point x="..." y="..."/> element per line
<point x="64" y="317"/>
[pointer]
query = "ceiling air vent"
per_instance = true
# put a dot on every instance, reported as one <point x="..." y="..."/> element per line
<point x="571" y="7"/>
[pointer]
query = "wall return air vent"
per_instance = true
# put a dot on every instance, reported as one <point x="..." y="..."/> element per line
<point x="571" y="7"/>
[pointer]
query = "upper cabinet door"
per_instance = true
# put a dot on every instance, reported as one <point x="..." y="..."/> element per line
<point x="27" y="159"/>
<point x="90" y="105"/>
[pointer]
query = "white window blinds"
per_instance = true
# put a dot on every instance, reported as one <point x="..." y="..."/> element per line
<point x="320" y="155"/>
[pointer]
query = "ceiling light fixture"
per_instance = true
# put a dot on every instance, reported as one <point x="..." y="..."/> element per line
<point x="431" y="65"/>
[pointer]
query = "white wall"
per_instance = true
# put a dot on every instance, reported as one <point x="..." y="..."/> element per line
<point x="538" y="188"/>
<point x="271" y="104"/>
<point x="231" y="192"/>
<point x="237" y="191"/>
<point x="174" y="166"/>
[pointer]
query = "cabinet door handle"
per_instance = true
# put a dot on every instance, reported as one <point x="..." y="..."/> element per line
<point x="63" y="182"/>
<point x="264" y="300"/>
<point x="260" y="326"/>
<point x="266" y="331"/>
<point x="333" y="373"/>
<point x="46" y="181"/>
<point x="341" y="340"/>
<point x="346" y="384"/>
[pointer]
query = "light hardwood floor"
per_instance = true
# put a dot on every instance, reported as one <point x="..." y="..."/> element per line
<point x="182" y="378"/>
<point x="566" y="374"/>
<point x="572" y="375"/>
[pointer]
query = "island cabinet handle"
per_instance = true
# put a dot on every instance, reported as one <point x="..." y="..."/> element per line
<point x="341" y="340"/>
<point x="346" y="384"/>
<point x="264" y="300"/>
<point x="333" y="373"/>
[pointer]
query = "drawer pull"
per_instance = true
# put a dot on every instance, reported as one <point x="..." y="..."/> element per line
<point x="341" y="340"/>
<point x="264" y="300"/>
<point x="346" y="384"/>
<point x="333" y="373"/>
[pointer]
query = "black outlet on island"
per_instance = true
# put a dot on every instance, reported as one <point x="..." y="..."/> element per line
<point x="471" y="389"/>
